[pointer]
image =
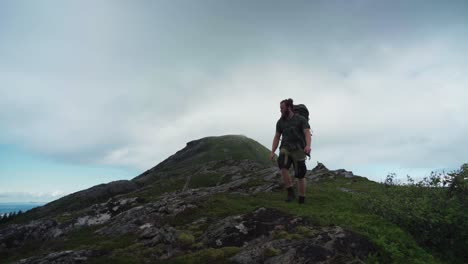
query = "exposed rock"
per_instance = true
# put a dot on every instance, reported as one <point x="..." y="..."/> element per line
<point x="263" y="236"/>
<point x="133" y="219"/>
<point x="320" y="172"/>
<point x="330" y="245"/>
<point x="41" y="230"/>
<point x="102" y="213"/>
<point x="89" y="220"/>
<point x="344" y="173"/>
<point x="85" y="198"/>
<point x="238" y="230"/>
<point x="63" y="257"/>
<point x="153" y="236"/>
<point x="14" y="236"/>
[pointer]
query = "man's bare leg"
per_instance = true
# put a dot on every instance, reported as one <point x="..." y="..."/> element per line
<point x="301" y="186"/>
<point x="286" y="178"/>
<point x="288" y="185"/>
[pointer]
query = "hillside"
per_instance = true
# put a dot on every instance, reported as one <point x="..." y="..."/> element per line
<point x="218" y="200"/>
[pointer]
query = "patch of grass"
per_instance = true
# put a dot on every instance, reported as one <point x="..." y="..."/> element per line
<point x="185" y="239"/>
<point x="207" y="179"/>
<point x="281" y="235"/>
<point x="83" y="238"/>
<point x="253" y="182"/>
<point x="209" y="255"/>
<point x="134" y="253"/>
<point x="234" y="147"/>
<point x="324" y="206"/>
<point x="156" y="189"/>
<point x="271" y="252"/>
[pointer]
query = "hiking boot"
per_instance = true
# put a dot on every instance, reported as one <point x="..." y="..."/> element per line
<point x="301" y="199"/>
<point x="291" y="196"/>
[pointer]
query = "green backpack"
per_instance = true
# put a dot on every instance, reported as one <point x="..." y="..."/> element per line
<point x="302" y="110"/>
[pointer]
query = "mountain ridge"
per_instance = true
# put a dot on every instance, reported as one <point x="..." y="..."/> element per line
<point x="223" y="206"/>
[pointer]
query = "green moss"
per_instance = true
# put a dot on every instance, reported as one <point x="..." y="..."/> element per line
<point x="185" y="239"/>
<point x="198" y="245"/>
<point x="193" y="227"/>
<point x="198" y="233"/>
<point x="271" y="252"/>
<point x="209" y="255"/>
<point x="153" y="191"/>
<point x="305" y="231"/>
<point x="204" y="180"/>
<point x="296" y="236"/>
<point x="134" y="253"/>
<point x="253" y="183"/>
<point x="302" y="230"/>
<point x="281" y="235"/>
<point x="230" y="251"/>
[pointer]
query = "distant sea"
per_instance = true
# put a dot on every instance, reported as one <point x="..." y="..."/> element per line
<point x="15" y="207"/>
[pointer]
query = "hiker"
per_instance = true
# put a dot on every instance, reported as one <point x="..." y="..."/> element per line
<point x="295" y="145"/>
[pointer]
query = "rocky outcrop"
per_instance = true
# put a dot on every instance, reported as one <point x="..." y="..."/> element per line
<point x="175" y="203"/>
<point x="83" y="199"/>
<point x="270" y="236"/>
<point x="329" y="246"/>
<point x="63" y="257"/>
<point x="240" y="230"/>
<point x="321" y="172"/>
<point x="14" y="236"/>
<point x="101" y="213"/>
<point x="132" y="221"/>
<point x="114" y="211"/>
<point x="263" y="236"/>
<point x="38" y="230"/>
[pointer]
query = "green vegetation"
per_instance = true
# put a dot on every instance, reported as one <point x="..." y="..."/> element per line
<point x="327" y="205"/>
<point x="374" y="210"/>
<point x="384" y="213"/>
<point x="84" y="238"/>
<point x="185" y="239"/>
<point x="436" y="216"/>
<point x="235" y="147"/>
<point x="423" y="222"/>
<point x="153" y="191"/>
<point x="271" y="252"/>
<point x="209" y="255"/>
<point x="205" y="180"/>
<point x="10" y="216"/>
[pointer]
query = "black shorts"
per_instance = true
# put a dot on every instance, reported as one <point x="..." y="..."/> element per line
<point x="299" y="172"/>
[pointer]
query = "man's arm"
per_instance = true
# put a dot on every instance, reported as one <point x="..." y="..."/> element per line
<point x="308" y="138"/>
<point x="274" y="145"/>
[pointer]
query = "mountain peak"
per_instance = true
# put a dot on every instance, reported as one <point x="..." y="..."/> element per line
<point x="216" y="148"/>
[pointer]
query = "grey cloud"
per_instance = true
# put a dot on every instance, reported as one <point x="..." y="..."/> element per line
<point x="131" y="83"/>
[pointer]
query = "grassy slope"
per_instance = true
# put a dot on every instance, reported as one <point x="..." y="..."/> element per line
<point x="326" y="205"/>
<point x="208" y="149"/>
<point x="235" y="147"/>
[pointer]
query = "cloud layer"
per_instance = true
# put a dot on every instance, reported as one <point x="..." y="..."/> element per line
<point x="129" y="84"/>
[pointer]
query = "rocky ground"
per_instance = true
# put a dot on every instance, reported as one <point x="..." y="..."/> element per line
<point x="265" y="235"/>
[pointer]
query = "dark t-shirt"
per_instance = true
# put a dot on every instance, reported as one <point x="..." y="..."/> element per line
<point x="292" y="132"/>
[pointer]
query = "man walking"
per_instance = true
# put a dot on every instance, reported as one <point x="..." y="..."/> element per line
<point x="294" y="130"/>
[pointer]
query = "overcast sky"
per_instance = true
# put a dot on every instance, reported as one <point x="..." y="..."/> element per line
<point x="96" y="91"/>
